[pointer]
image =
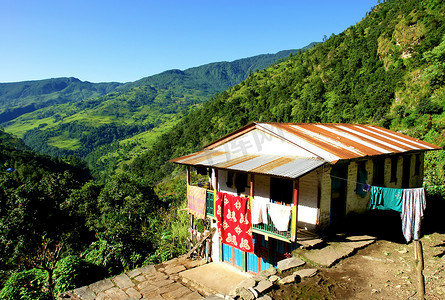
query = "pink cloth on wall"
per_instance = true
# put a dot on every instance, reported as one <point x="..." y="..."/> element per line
<point x="197" y="201"/>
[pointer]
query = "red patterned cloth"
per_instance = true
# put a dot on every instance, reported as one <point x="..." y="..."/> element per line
<point x="234" y="221"/>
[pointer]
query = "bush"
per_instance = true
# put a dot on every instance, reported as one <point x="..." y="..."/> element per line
<point x="72" y="272"/>
<point x="26" y="285"/>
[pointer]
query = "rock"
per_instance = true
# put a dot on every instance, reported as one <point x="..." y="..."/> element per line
<point x="245" y="294"/>
<point x="306" y="273"/>
<point x="131" y="292"/>
<point x="289" y="263"/>
<point x="133" y="273"/>
<point x="247" y="283"/>
<point x="265" y="297"/>
<point x="85" y="293"/>
<point x="264" y="286"/>
<point x="147" y="269"/>
<point x="254" y="292"/>
<point x="274" y="278"/>
<point x="101" y="286"/>
<point x="287" y="279"/>
<point x="123" y="281"/>
<point x="269" y="272"/>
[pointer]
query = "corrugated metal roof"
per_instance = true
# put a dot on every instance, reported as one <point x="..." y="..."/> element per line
<point x="328" y="142"/>
<point x="290" y="167"/>
<point x="333" y="142"/>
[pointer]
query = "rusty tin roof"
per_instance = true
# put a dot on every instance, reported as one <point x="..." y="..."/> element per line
<point x="326" y="143"/>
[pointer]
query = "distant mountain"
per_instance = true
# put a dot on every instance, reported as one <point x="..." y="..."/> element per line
<point x="18" y="98"/>
<point x="101" y="129"/>
<point x="214" y="77"/>
<point x="388" y="69"/>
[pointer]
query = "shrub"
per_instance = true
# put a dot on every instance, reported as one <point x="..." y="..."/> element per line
<point x="26" y="285"/>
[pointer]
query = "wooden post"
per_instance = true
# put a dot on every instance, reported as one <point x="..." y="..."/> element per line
<point x="188" y="175"/>
<point x="252" y="193"/>
<point x="418" y="253"/>
<point x="294" y="222"/>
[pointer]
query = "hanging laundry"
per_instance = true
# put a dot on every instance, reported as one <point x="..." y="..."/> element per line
<point x="197" y="201"/>
<point x="386" y="198"/>
<point x="366" y="188"/>
<point x="259" y="211"/>
<point x="414" y="204"/>
<point x="234" y="221"/>
<point x="280" y="215"/>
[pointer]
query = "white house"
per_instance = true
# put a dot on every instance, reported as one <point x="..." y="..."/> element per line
<point x="317" y="170"/>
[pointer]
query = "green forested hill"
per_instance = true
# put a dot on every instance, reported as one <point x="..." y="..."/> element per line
<point x="115" y="127"/>
<point x="18" y="98"/>
<point x="387" y="70"/>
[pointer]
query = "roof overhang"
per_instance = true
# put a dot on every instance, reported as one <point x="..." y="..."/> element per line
<point x="272" y="165"/>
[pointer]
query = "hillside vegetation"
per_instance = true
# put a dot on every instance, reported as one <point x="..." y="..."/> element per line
<point x="18" y="98"/>
<point x="103" y="130"/>
<point x="387" y="70"/>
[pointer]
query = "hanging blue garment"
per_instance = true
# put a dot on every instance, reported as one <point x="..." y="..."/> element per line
<point x="386" y="198"/>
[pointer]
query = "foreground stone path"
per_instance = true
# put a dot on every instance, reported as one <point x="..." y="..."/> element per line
<point x="149" y="282"/>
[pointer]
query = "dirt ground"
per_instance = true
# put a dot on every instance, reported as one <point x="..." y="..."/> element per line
<point x="383" y="270"/>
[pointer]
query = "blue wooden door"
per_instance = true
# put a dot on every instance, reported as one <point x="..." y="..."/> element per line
<point x="238" y="257"/>
<point x="227" y="253"/>
<point x="252" y="262"/>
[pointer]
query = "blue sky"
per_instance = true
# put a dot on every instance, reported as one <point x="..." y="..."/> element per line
<point x="99" y="41"/>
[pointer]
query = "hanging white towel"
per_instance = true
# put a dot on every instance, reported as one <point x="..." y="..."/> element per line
<point x="280" y="215"/>
<point x="413" y="206"/>
<point x="259" y="211"/>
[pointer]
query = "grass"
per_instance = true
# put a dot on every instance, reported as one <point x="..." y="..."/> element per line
<point x="65" y="143"/>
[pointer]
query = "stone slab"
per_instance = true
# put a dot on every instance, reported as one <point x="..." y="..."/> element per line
<point x="147" y="269"/>
<point x="101" y="286"/>
<point x="134" y="273"/>
<point x="179" y="293"/>
<point x="85" y="293"/>
<point x="264" y="286"/>
<point x="329" y="255"/>
<point x="287" y="279"/>
<point x="174" y="269"/>
<point x="306" y="273"/>
<point x="193" y="296"/>
<point x="131" y="292"/>
<point x="161" y="283"/>
<point x="123" y="281"/>
<point x="169" y="288"/>
<point x="289" y="263"/>
<point x="116" y="294"/>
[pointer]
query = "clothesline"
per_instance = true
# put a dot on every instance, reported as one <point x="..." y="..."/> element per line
<point x="345" y="179"/>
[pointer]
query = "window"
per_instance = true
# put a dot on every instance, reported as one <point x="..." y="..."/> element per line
<point x="417" y="166"/>
<point x="281" y="190"/>
<point x="394" y="160"/>
<point x="238" y="181"/>
<point x="378" y="178"/>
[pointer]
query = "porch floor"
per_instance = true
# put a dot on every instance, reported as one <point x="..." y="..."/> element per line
<point x="308" y="239"/>
<point x="214" y="278"/>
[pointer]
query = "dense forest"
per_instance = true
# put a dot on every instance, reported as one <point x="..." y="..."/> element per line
<point x="57" y="221"/>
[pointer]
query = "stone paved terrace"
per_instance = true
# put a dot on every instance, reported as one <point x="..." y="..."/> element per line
<point x="149" y="282"/>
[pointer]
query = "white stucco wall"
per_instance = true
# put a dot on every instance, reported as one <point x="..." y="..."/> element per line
<point x="307" y="201"/>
